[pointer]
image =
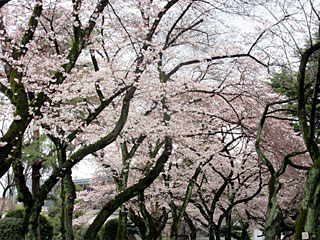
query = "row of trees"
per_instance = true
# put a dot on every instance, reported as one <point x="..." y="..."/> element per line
<point x="175" y="100"/>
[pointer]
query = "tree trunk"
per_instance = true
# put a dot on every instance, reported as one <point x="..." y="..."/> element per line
<point x="36" y="175"/>
<point x="30" y="219"/>
<point x="193" y="229"/>
<point x="211" y="231"/>
<point x="129" y="193"/>
<point x="228" y="226"/>
<point x="62" y="212"/>
<point x="271" y="224"/>
<point x="122" y="232"/>
<point x="309" y="211"/>
<point x="174" y="229"/>
<point x="217" y="233"/>
<point x="69" y="197"/>
<point x="152" y="232"/>
<point x="178" y="215"/>
<point x="138" y="221"/>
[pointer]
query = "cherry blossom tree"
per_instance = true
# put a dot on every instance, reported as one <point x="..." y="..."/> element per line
<point x="19" y="47"/>
<point x="293" y="45"/>
<point x="307" y="219"/>
<point x="94" y="75"/>
<point x="274" y="216"/>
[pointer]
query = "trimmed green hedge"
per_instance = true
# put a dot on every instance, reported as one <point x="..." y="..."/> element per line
<point x="11" y="229"/>
<point x="46" y="228"/>
<point x="15" y="213"/>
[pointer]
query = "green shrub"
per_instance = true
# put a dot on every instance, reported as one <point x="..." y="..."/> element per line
<point x="78" y="214"/>
<point x="15" y="213"/>
<point x="109" y="230"/>
<point x="11" y="228"/>
<point x="56" y="223"/>
<point x="79" y="232"/>
<point x="46" y="228"/>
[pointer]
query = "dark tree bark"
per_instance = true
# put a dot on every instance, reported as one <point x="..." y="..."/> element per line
<point x="36" y="175"/>
<point x="153" y="225"/>
<point x="178" y="212"/>
<point x="272" y="222"/>
<point x="138" y="221"/>
<point x="69" y="197"/>
<point x="193" y="229"/>
<point x="122" y="232"/>
<point x="310" y="206"/>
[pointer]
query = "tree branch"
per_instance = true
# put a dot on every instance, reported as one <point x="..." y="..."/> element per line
<point x="129" y="193"/>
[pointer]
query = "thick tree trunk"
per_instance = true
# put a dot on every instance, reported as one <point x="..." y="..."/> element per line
<point x="309" y="211"/>
<point x="61" y="160"/>
<point x="271" y="225"/>
<point x="217" y="233"/>
<point x="69" y="197"/>
<point x="36" y="175"/>
<point x="62" y="212"/>
<point x="33" y="222"/>
<point x="211" y="231"/>
<point x="24" y="195"/>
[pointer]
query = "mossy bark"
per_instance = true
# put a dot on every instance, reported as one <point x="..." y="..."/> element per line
<point x="122" y="232"/>
<point x="178" y="213"/>
<point x="69" y="197"/>
<point x="18" y="94"/>
<point x="24" y="195"/>
<point x="138" y="221"/>
<point x="36" y="175"/>
<point x="62" y="212"/>
<point x="309" y="211"/>
<point x="153" y="225"/>
<point x="36" y="166"/>
<point x="270" y="225"/>
<point x="121" y="184"/>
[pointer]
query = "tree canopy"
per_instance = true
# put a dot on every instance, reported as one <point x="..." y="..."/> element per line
<point x="188" y="108"/>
